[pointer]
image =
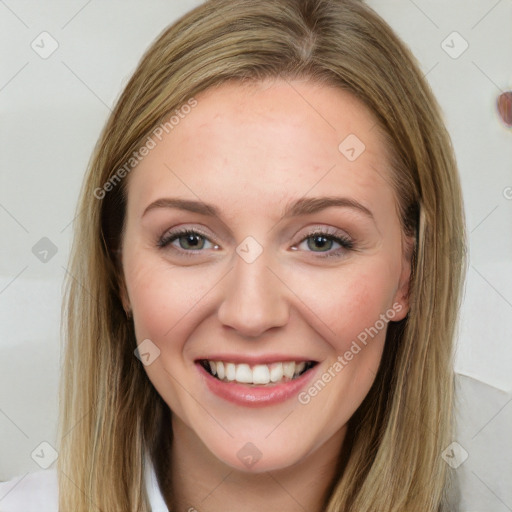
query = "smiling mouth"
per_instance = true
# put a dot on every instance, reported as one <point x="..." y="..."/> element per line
<point x="259" y="374"/>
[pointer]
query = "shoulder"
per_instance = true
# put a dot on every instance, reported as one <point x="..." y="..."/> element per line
<point x="39" y="492"/>
<point x="480" y="448"/>
<point x="31" y="492"/>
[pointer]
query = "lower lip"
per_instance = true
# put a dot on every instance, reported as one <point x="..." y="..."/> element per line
<point x="255" y="396"/>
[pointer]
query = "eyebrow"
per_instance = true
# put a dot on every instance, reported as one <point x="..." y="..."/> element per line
<point x="302" y="206"/>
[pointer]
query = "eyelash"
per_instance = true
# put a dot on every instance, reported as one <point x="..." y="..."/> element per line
<point x="346" y="243"/>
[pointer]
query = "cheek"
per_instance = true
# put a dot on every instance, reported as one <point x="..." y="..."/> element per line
<point x="346" y="303"/>
<point x="351" y="308"/>
<point x="163" y="299"/>
<point x="152" y="301"/>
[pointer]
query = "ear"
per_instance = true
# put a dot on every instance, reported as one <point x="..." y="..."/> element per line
<point x="402" y="295"/>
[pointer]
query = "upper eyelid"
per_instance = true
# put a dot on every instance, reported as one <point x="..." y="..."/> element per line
<point x="309" y="230"/>
<point x="330" y="231"/>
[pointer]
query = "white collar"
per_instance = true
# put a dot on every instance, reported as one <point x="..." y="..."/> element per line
<point x="156" y="500"/>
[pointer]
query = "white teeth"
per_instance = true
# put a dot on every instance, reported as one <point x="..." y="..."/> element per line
<point x="230" y="371"/>
<point x="220" y="370"/>
<point x="243" y="373"/>
<point x="289" y="369"/>
<point x="276" y="372"/>
<point x="259" y="374"/>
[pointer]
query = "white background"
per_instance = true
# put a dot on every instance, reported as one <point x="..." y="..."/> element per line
<point x="52" y="111"/>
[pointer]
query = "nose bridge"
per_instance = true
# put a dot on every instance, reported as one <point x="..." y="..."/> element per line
<point x="254" y="299"/>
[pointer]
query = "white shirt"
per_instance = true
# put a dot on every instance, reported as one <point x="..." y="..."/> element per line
<point x="38" y="492"/>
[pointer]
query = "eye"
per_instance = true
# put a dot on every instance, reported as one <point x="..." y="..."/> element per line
<point x="323" y="239"/>
<point x="189" y="241"/>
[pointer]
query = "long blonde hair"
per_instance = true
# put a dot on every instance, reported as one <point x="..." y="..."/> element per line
<point x="110" y="412"/>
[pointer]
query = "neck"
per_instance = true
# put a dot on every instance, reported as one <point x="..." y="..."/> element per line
<point x="201" y="482"/>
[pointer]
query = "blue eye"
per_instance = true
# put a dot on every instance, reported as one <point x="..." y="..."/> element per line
<point x="324" y="241"/>
<point x="191" y="241"/>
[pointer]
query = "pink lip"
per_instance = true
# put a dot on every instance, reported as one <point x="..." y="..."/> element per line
<point x="255" y="396"/>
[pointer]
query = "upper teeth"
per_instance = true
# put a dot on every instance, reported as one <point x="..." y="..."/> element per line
<point x="258" y="374"/>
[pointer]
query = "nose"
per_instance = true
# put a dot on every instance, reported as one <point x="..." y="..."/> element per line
<point x="254" y="298"/>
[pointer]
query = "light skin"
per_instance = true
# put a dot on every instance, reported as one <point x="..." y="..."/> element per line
<point x="251" y="150"/>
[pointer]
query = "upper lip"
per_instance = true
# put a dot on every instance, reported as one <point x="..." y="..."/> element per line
<point x="254" y="360"/>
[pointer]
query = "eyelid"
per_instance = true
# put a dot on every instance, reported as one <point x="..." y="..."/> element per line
<point x="328" y="230"/>
<point x="318" y="229"/>
<point x="345" y="241"/>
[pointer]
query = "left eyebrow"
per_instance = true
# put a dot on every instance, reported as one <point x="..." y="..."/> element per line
<point x="309" y="205"/>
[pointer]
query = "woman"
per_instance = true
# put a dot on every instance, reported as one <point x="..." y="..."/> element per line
<point x="220" y="353"/>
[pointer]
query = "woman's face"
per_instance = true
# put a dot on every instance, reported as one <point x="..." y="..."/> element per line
<point x="287" y="282"/>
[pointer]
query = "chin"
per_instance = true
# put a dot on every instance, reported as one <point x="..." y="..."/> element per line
<point x="251" y="459"/>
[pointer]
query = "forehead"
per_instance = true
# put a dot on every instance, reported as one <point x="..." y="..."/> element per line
<point x="255" y="145"/>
